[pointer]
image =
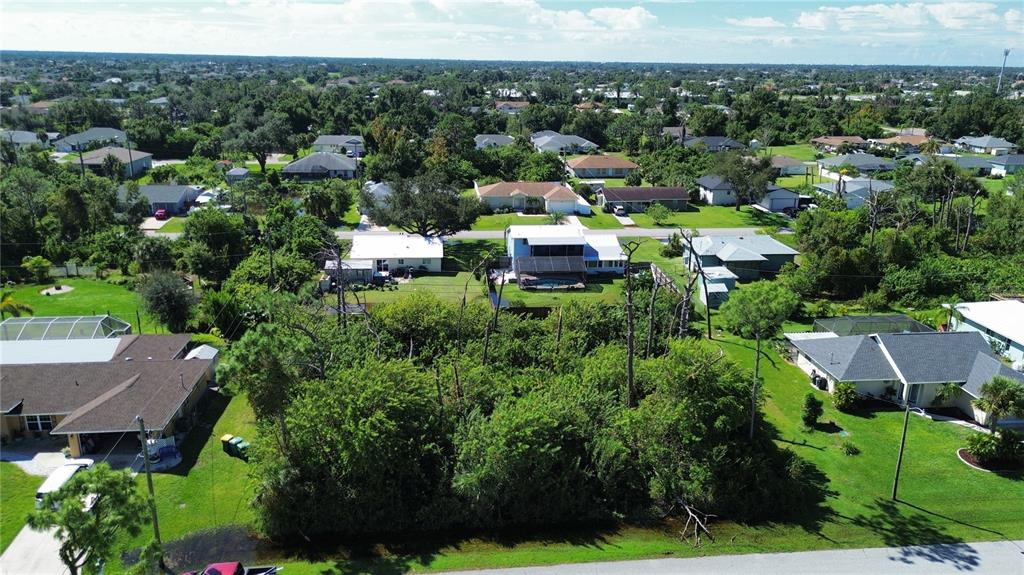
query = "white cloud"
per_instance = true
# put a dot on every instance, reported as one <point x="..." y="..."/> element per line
<point x="812" y="20"/>
<point x="960" y="15"/>
<point x="957" y="15"/>
<point x="635" y="18"/>
<point x="1014" y="20"/>
<point x="751" y="22"/>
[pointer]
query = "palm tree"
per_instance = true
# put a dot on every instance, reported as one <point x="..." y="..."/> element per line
<point x="946" y="392"/>
<point x="1000" y="398"/>
<point x="930" y="147"/>
<point x="9" y="305"/>
<point x="556" y="218"/>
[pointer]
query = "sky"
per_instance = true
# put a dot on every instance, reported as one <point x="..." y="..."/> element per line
<point x="929" y="32"/>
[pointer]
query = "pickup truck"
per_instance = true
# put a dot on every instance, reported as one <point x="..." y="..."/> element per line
<point x="234" y="568"/>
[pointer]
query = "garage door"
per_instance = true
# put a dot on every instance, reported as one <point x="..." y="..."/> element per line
<point x="779" y="204"/>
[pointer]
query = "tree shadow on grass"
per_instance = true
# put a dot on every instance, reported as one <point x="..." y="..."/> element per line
<point x="917" y="537"/>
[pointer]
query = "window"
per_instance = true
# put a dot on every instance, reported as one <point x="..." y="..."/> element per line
<point x="425" y="261"/>
<point x="38" y="422"/>
<point x="401" y="262"/>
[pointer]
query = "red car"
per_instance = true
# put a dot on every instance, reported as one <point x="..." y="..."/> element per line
<point x="160" y="214"/>
<point x="233" y="568"/>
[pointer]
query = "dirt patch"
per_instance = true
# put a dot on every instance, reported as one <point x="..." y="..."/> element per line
<point x="56" y="290"/>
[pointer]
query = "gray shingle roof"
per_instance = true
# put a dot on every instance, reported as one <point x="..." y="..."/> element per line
<point x="986" y="367"/>
<point x="93" y="135"/>
<point x="860" y="161"/>
<point x="849" y="358"/>
<point x="484" y="140"/>
<point x="320" y="163"/>
<point x="760" y="244"/>
<point x="713" y="183"/>
<point x="338" y="140"/>
<point x="934" y="357"/>
<point x="985" y="142"/>
<point x="157" y="193"/>
<point x="20" y="137"/>
<point x="1008" y="160"/>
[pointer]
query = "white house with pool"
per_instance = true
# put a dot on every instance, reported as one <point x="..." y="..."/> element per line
<point x="548" y="257"/>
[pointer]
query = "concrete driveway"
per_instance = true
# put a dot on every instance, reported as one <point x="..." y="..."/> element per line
<point x="152" y="224"/>
<point x="32" y="553"/>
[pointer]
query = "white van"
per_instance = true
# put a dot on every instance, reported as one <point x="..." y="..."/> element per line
<point x="59" y="477"/>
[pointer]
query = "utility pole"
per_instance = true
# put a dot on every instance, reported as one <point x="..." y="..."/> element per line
<point x="342" y="316"/>
<point x="630" y="247"/>
<point x="149" y="481"/>
<point x="903" y="443"/>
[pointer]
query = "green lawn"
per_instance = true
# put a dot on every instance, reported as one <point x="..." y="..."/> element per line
<point x="90" y="297"/>
<point x="17" y="499"/>
<point x="599" y="220"/>
<point x="802" y="152"/>
<point x="502" y="221"/>
<point x="994" y="186"/>
<point x="604" y="290"/>
<point x="447" y="286"/>
<point x="713" y="217"/>
<point x="175" y="225"/>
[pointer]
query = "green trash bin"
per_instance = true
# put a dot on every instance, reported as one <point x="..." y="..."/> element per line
<point x="233" y="444"/>
<point x="243" y="449"/>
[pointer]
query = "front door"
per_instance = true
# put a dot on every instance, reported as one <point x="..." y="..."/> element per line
<point x="382" y="266"/>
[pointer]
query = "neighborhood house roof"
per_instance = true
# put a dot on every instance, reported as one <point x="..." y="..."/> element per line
<point x="643" y="194"/>
<point x="602" y="162"/>
<point x="740" y="246"/>
<point x="935" y="357"/>
<point x="380" y="246"/>
<point x="902" y="139"/>
<point x="238" y="171"/>
<point x="985" y="142"/>
<point x="838" y="140"/>
<point x="548" y="140"/>
<point x="547" y="190"/>
<point x="1008" y="160"/>
<point x="160" y="193"/>
<point x="321" y="163"/>
<point x="484" y="140"/>
<point x="508" y="104"/>
<point x="97" y="157"/>
<point x="86" y="350"/>
<point x="868" y="324"/>
<point x="549" y="265"/>
<point x="860" y="187"/>
<point x="342" y="140"/>
<point x="1005" y="318"/>
<point x="713" y="183"/>
<point x="860" y="161"/>
<point x="93" y="135"/>
<point x="849" y="358"/>
<point x="19" y="137"/>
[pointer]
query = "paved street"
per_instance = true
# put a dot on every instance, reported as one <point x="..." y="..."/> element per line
<point x="622" y="233"/>
<point x="1004" y="557"/>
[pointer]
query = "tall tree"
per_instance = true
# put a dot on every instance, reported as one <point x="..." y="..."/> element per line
<point x="757" y="312"/>
<point x="88" y="535"/>
<point x="749" y="178"/>
<point x="1000" y="398"/>
<point x="165" y="296"/>
<point x="425" y="206"/>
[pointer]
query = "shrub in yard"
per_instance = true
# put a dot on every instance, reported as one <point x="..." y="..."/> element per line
<point x="844" y="398"/>
<point x="658" y="213"/>
<point x="674" y="247"/>
<point x="850" y="449"/>
<point x="812" y="410"/>
<point x="38" y="267"/>
<point x="997" y="449"/>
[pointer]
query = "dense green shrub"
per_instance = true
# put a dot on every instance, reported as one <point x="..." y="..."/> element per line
<point x="812" y="410"/>
<point x="845" y="397"/>
<point x="997" y="449"/>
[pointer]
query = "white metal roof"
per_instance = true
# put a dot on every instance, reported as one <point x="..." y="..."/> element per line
<point x="203" y="352"/>
<point x="386" y="246"/>
<point x="719" y="273"/>
<point x="607" y="246"/>
<point x="1003" y="317"/>
<point x="58" y="351"/>
<point x="541" y="232"/>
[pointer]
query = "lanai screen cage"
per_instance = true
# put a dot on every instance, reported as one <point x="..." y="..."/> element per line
<point x="868" y="324"/>
<point x="65" y="327"/>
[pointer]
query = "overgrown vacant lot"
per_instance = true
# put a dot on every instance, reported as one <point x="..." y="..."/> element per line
<point x="17" y="500"/>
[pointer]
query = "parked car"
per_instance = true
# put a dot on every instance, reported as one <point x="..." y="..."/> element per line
<point x="59" y="477"/>
<point x="234" y="568"/>
<point x="160" y="214"/>
<point x="619" y="211"/>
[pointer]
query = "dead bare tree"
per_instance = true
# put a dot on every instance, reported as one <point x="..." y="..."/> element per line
<point x="695" y="261"/>
<point x="494" y="324"/>
<point x="650" y="315"/>
<point x="697" y="521"/>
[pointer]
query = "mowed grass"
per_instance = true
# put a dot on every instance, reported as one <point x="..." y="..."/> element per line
<point x="600" y="220"/>
<point x="599" y="289"/>
<point x="447" y="286"/>
<point x="89" y="297"/>
<point x="501" y="221"/>
<point x="175" y="225"/>
<point x="17" y="500"/>
<point x="802" y="152"/>
<point x="712" y="217"/>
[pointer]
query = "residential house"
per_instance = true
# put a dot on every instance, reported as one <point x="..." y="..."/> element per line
<point x="786" y="166"/>
<point x="910" y="367"/>
<point x="986" y="145"/>
<point x="855" y="191"/>
<point x="676" y="134"/>
<point x="900" y="143"/>
<point x="834" y="143"/>
<point x="346" y="145"/>
<point x="638" y="199"/>
<point x="90" y="385"/>
<point x="511" y="108"/>
<point x="376" y="191"/>
<point x="561" y="256"/>
<point x="601" y="166"/>
<point x="484" y="141"/>
<point x="1007" y="164"/>
<point x="779" y="199"/>
<point x="973" y="164"/>
<point x="863" y="163"/>
<point x="175" y="199"/>
<point x="320" y="165"/>
<point x="235" y="175"/>
<point x="22" y="138"/>
<point x="547" y="197"/>
<point x="161" y="102"/>
<point x="589" y="106"/>
<point x="90" y="138"/>
<point x="725" y="259"/>
<point x="715" y="191"/>
<point x="1000" y="321"/>
<point x="551" y="141"/>
<point x="136" y="162"/>
<point x="713" y="143"/>
<point x="868" y="324"/>
<point x="395" y="254"/>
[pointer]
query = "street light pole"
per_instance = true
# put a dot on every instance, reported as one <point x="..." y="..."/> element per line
<point x="149" y="480"/>
<point x="903" y="443"/>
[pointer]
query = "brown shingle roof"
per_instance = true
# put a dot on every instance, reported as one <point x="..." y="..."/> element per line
<point x="103" y="397"/>
<point x="838" y="140"/>
<point x="510" y="104"/>
<point x="546" y="190"/>
<point x="152" y="347"/>
<point x="904" y="139"/>
<point x="601" y="162"/>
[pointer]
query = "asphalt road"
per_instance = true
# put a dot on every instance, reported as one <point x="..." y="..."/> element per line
<point x="622" y="233"/>
<point x="1003" y="557"/>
